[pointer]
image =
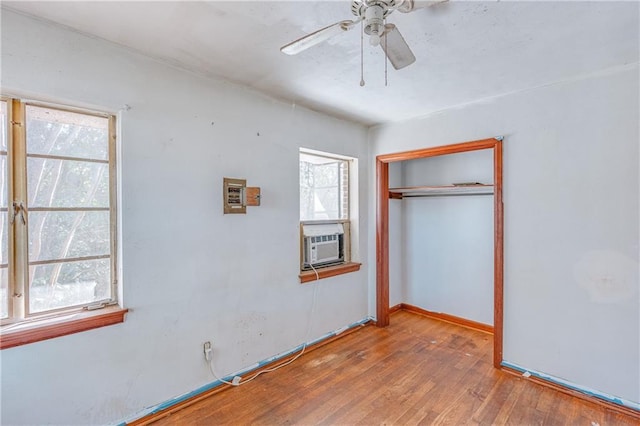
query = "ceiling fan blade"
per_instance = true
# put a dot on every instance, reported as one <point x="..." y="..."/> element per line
<point x="396" y="49"/>
<point x="411" y="5"/>
<point x="316" y="37"/>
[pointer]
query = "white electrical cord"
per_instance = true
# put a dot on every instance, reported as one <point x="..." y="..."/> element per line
<point x="210" y="363"/>
<point x="268" y="370"/>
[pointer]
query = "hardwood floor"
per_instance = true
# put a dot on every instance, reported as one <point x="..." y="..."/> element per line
<point x="416" y="371"/>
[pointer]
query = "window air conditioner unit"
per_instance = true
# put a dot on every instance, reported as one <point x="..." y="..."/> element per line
<point x="323" y="245"/>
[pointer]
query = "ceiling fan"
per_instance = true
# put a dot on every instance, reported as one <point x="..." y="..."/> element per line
<point x="372" y="14"/>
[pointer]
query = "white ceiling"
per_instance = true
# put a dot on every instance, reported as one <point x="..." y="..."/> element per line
<point x="466" y="50"/>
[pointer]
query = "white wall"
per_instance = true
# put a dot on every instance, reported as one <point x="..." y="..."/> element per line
<point x="397" y="242"/>
<point x="571" y="189"/>
<point x="448" y="241"/>
<point x="190" y="273"/>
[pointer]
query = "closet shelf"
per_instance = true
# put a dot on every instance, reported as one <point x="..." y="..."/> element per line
<point x="440" y="191"/>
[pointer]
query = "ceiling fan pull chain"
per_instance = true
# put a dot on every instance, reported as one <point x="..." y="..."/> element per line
<point x="386" y="58"/>
<point x="361" y="53"/>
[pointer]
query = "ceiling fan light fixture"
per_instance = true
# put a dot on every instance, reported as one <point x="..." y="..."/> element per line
<point x="374" y="20"/>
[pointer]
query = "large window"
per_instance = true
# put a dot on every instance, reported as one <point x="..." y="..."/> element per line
<point x="325" y="223"/>
<point x="57" y="211"/>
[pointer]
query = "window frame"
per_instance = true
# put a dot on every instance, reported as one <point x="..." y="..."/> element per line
<point x="347" y="265"/>
<point x="23" y="326"/>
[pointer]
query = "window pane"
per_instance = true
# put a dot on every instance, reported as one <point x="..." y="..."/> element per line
<point x="4" y="239"/>
<point x="61" y="235"/>
<point x="68" y="284"/>
<point x="69" y="134"/>
<point x="326" y="203"/>
<point x="306" y="190"/>
<point x="56" y="183"/>
<point x="4" y="293"/>
<point x="3" y="180"/>
<point x="64" y="183"/>
<point x="4" y="122"/>
<point x="323" y="188"/>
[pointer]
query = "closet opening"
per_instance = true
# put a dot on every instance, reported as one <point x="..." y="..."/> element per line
<point x="384" y="195"/>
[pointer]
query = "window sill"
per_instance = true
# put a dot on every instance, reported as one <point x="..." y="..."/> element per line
<point x="331" y="271"/>
<point x="49" y="328"/>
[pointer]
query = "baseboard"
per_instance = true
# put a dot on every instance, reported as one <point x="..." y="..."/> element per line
<point x="166" y="408"/>
<point x="613" y="403"/>
<point x="485" y="328"/>
<point x="395" y="308"/>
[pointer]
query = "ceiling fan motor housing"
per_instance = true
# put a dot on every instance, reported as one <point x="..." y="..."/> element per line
<point x="373" y="12"/>
<point x="359" y="7"/>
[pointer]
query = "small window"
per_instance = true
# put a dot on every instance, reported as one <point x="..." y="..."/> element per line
<point x="325" y="223"/>
<point x="324" y="187"/>
<point x="58" y="210"/>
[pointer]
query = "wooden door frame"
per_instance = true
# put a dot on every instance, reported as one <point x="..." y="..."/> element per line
<point x="382" y="229"/>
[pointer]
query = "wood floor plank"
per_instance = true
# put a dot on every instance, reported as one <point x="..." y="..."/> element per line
<point x="400" y="386"/>
<point x="416" y="371"/>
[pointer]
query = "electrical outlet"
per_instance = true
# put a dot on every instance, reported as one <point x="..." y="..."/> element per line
<point x="207" y="350"/>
